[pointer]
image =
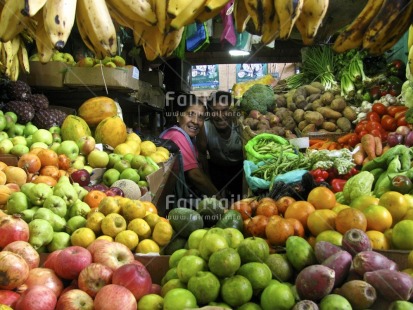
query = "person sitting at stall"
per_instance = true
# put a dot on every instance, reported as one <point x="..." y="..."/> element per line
<point x="220" y="145"/>
<point x="190" y="115"/>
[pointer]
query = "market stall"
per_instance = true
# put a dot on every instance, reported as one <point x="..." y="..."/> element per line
<point x="92" y="195"/>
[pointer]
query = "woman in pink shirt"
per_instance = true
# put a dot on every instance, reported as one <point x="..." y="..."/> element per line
<point x="190" y="114"/>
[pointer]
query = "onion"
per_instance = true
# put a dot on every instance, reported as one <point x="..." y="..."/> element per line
<point x="403" y="130"/>
<point x="13" y="228"/>
<point x="45" y="277"/>
<point x="25" y="250"/>
<point x="408" y="140"/>
<point x="13" y="269"/>
<point x="394" y="139"/>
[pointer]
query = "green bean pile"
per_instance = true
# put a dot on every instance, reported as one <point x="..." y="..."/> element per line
<point x="270" y="147"/>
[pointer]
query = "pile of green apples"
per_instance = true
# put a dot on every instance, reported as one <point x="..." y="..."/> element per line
<point x="66" y="58"/>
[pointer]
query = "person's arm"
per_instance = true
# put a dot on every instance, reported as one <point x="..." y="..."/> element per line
<point x="203" y="183"/>
<point x="201" y="144"/>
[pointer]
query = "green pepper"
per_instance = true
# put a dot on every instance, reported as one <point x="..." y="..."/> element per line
<point x="384" y="160"/>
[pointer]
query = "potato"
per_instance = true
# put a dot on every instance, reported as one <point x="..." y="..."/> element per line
<point x="314" y="117"/>
<point x="298" y="115"/>
<point x="318" y="85"/>
<point x="280" y="101"/>
<point x="338" y="104"/>
<point x="302" y="125"/>
<point x="309" y="128"/>
<point x="299" y="92"/>
<point x="329" y="126"/>
<point x="313" y="97"/>
<point x="349" y="113"/>
<point x="329" y="113"/>
<point x="317" y="104"/>
<point x="344" y="124"/>
<point x="311" y="90"/>
<point x="327" y="97"/>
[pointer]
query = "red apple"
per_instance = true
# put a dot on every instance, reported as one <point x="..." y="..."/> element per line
<point x="86" y="144"/>
<point x="74" y="299"/>
<point x="81" y="176"/>
<point x="51" y="260"/>
<point x="95" y="244"/>
<point x="71" y="261"/>
<point x="113" y="255"/>
<point x="8" y="298"/>
<point x="38" y="297"/>
<point x="135" y="278"/>
<point x="114" y="296"/>
<point x="156" y="289"/>
<point x="100" y="187"/>
<point x="94" y="277"/>
<point x="110" y="192"/>
<point x="117" y="190"/>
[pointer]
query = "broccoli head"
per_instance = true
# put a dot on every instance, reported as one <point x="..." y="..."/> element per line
<point x="258" y="97"/>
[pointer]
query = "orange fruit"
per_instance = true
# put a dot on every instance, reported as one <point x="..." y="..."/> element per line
<point x="283" y="203"/>
<point x="48" y="157"/>
<point x="51" y="171"/>
<point x="150" y="207"/>
<point x="350" y="218"/>
<point x="278" y="232"/>
<point x="299" y="210"/>
<point x="267" y="209"/>
<point x="44" y="179"/>
<point x="321" y="220"/>
<point x="298" y="227"/>
<point x="378" y="240"/>
<point x="338" y="207"/>
<point x="396" y="203"/>
<point x="364" y="201"/>
<point x="378" y="218"/>
<point x="322" y="198"/>
<point x="93" y="198"/>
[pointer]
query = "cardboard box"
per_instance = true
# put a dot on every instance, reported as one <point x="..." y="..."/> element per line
<point x="9" y="159"/>
<point x="157" y="265"/>
<point x="48" y="75"/>
<point x="159" y="177"/>
<point x="116" y="78"/>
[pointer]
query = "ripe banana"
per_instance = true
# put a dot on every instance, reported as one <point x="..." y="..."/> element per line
<point x="23" y="56"/>
<point x="119" y="18"/>
<point x="241" y="15"/>
<point x="410" y="37"/>
<point x="85" y="37"/>
<point x="384" y="21"/>
<point x="188" y="15"/>
<point x="171" y="42"/>
<point x="175" y="7"/>
<point x="212" y="5"/>
<point x="31" y="7"/>
<point x="310" y="19"/>
<point x="152" y="40"/>
<point x="59" y="18"/>
<point x="98" y="25"/>
<point x="410" y="61"/>
<point x="208" y="14"/>
<point x="139" y="10"/>
<point x="163" y="20"/>
<point x="138" y="29"/>
<point x="43" y="44"/>
<point x="255" y="9"/>
<point x="271" y="25"/>
<point x="288" y="12"/>
<point x="12" y="21"/>
<point x="352" y="36"/>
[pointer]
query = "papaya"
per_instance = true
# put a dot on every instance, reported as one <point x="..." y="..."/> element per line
<point x="73" y="128"/>
<point x="111" y="131"/>
<point x="95" y="109"/>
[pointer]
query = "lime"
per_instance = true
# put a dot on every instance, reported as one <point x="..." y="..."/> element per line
<point x="211" y="243"/>
<point x="280" y="267"/>
<point x="235" y="237"/>
<point x="170" y="274"/>
<point x="170" y="285"/>
<point x="179" y="299"/>
<point x="334" y="301"/>
<point x="401" y="305"/>
<point x="277" y="297"/>
<point x="205" y="287"/>
<point x="400" y="234"/>
<point x="225" y="262"/>
<point x="259" y="275"/>
<point x="147" y="246"/>
<point x="219" y="304"/>
<point x="236" y="290"/>
<point x="150" y="302"/>
<point x="176" y="256"/>
<point x="195" y="238"/>
<point x="253" y="249"/>
<point x="250" y="306"/>
<point x="193" y="252"/>
<point x="189" y="265"/>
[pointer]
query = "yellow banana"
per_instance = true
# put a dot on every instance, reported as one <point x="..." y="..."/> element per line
<point x="212" y="5"/>
<point x="310" y="19"/>
<point x="98" y="25"/>
<point x="288" y="12"/>
<point x="139" y="10"/>
<point x="410" y="37"/>
<point x="410" y="61"/>
<point x="13" y="69"/>
<point x="43" y="44"/>
<point x="152" y="40"/>
<point x="271" y="25"/>
<point x="211" y="11"/>
<point x="171" y="42"/>
<point x="241" y="15"/>
<point x="8" y="55"/>
<point x="188" y="15"/>
<point x="59" y="18"/>
<point x="119" y="18"/>
<point x="85" y="37"/>
<point x="163" y="20"/>
<point x="175" y="7"/>
<point x="352" y="36"/>
<point x="31" y="7"/>
<point x="23" y="58"/>
<point x="138" y="30"/>
<point x="256" y="11"/>
<point x="12" y="21"/>
<point x="384" y="21"/>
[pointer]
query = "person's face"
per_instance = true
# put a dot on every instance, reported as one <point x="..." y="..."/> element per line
<point x="192" y="119"/>
<point x="220" y="115"/>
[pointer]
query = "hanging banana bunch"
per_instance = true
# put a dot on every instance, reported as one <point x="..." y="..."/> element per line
<point x="14" y="58"/>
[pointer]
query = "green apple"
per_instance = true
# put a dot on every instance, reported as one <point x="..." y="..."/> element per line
<point x="9" y="121"/>
<point x="146" y="170"/>
<point x="58" y="56"/>
<point x="138" y="161"/>
<point x="3" y="135"/>
<point x="68" y="58"/>
<point x="38" y="144"/>
<point x="74" y="223"/>
<point x="130" y="174"/>
<point x="110" y="64"/>
<point x="5" y="146"/>
<point x="17" y="203"/>
<point x="205" y="286"/>
<point x="143" y="183"/>
<point x="119" y="61"/>
<point x="54" y="146"/>
<point x="195" y="238"/>
<point x="60" y="241"/>
<point x="212" y="243"/>
<point x="113" y="158"/>
<point x="55" y="129"/>
<point x="43" y="135"/>
<point x="98" y="159"/>
<point x="19" y="149"/>
<point x="3" y="122"/>
<point x="79" y="208"/>
<point x="110" y="176"/>
<point x="57" y="137"/>
<point x="56" y="204"/>
<point x="69" y="148"/>
<point x="15" y="130"/>
<point x="121" y="165"/>
<point x="86" y="144"/>
<point x="19" y="140"/>
<point x="128" y="157"/>
<point x="86" y="62"/>
<point x="29" y="129"/>
<point x="12" y="115"/>
<point x="88" y="168"/>
<point x="235" y="236"/>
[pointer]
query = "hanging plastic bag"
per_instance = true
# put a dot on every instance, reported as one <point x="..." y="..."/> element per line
<point x="254" y="183"/>
<point x="197" y="37"/>
<point x="228" y="34"/>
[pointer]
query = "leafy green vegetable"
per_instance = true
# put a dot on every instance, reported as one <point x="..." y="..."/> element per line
<point x="258" y="97"/>
<point x="358" y="185"/>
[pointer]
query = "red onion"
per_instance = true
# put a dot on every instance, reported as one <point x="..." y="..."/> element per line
<point x="403" y="130"/>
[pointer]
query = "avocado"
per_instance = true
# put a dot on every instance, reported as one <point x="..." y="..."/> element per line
<point x="184" y="221"/>
<point x="175" y="244"/>
<point x="211" y="210"/>
<point x="231" y="218"/>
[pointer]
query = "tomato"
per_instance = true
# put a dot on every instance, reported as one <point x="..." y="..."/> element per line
<point x="392" y="110"/>
<point x="361" y="126"/>
<point x="362" y="133"/>
<point x="376" y="133"/>
<point x="401" y="121"/>
<point x="373" y="116"/>
<point x="400" y="114"/>
<point x="379" y="108"/>
<point x="388" y="123"/>
<point x="373" y="125"/>
<point x="354" y="140"/>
